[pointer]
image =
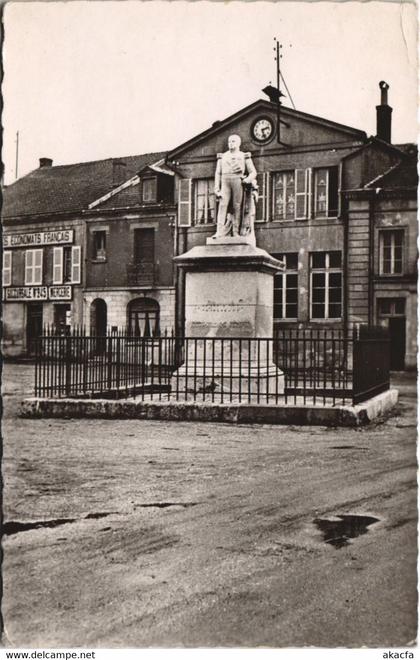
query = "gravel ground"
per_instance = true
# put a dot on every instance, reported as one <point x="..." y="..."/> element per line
<point x="145" y="533"/>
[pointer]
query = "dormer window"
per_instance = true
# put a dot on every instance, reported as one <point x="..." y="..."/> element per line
<point x="149" y="190"/>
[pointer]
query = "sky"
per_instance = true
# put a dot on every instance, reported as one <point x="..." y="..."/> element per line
<point x="91" y="80"/>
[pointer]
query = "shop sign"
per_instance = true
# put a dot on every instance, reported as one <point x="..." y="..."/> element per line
<point x="60" y="292"/>
<point x="23" y="293"/>
<point x="31" y="293"/>
<point x="53" y="237"/>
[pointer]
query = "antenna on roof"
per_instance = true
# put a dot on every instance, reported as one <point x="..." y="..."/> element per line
<point x="276" y="93"/>
<point x="17" y="154"/>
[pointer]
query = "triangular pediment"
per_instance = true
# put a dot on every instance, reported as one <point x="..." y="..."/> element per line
<point x="297" y="129"/>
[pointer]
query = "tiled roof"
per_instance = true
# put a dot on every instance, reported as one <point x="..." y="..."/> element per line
<point x="403" y="176"/>
<point x="408" y="148"/>
<point x="67" y="188"/>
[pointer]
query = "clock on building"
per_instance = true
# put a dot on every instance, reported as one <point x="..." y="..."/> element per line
<point x="262" y="129"/>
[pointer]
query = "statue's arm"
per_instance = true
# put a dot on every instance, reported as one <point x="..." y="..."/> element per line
<point x="218" y="176"/>
<point x="250" y="169"/>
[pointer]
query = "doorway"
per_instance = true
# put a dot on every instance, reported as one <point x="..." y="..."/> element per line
<point x="397" y="340"/>
<point x="61" y="318"/>
<point x="33" y="326"/>
<point x="391" y="312"/>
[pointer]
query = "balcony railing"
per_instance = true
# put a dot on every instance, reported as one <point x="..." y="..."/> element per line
<point x="142" y="274"/>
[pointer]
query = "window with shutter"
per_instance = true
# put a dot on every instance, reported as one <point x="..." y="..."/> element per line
<point x="204" y="201"/>
<point x="7" y="268"/>
<point x="184" y="202"/>
<point x="58" y="265"/>
<point x="29" y="258"/>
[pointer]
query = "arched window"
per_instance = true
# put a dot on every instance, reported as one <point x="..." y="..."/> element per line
<point x="143" y="317"/>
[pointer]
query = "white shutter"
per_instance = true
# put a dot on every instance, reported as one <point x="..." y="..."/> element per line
<point x="309" y="207"/>
<point x="58" y="265"/>
<point x="37" y="267"/>
<point x="261" y="212"/>
<point x="301" y="194"/>
<point x="267" y="196"/>
<point x="75" y="264"/>
<point x="7" y="268"/>
<point x="29" y="258"/>
<point x="339" y="184"/>
<point x="184" y="202"/>
<point x="327" y="192"/>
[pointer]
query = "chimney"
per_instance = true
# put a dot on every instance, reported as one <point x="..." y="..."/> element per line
<point x="119" y="172"/>
<point x="273" y="93"/>
<point x="45" y="162"/>
<point x="383" y="115"/>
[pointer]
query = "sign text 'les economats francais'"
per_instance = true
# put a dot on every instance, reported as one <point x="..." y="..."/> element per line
<point x="39" y="238"/>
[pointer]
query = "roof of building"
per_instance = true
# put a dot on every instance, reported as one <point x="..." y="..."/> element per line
<point x="352" y="133"/>
<point x="409" y="148"/>
<point x="402" y="176"/>
<point x="68" y="188"/>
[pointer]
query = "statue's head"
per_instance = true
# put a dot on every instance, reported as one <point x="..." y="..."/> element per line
<point x="234" y="142"/>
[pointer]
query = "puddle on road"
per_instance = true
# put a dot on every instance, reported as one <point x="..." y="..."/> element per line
<point x="165" y="505"/>
<point x="14" y="527"/>
<point x="350" y="447"/>
<point x="95" y="516"/>
<point x="338" y="532"/>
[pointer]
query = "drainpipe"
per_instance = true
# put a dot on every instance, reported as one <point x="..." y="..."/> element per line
<point x="371" y="259"/>
<point x="344" y="217"/>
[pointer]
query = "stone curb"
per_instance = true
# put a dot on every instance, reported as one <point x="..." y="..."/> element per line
<point x="227" y="413"/>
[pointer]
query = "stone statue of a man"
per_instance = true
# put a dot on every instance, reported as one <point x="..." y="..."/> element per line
<point x="235" y="187"/>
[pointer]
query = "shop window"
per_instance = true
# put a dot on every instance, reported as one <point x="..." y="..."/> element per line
<point x="62" y="318"/>
<point x="33" y="267"/>
<point x="7" y="268"/>
<point x="67" y="265"/>
<point x="149" y="190"/>
<point x="204" y="201"/>
<point x="286" y="289"/>
<point x="99" y="245"/>
<point x="391" y="252"/>
<point x="326" y="285"/>
<point x="304" y="193"/>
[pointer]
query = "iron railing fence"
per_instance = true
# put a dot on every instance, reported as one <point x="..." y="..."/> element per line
<point x="317" y="363"/>
<point x="320" y="367"/>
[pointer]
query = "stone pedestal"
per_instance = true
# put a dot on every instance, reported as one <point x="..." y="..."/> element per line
<point x="229" y="295"/>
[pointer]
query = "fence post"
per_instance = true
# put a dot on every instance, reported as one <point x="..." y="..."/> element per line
<point x="118" y="366"/>
<point x="109" y="363"/>
<point x="68" y="363"/>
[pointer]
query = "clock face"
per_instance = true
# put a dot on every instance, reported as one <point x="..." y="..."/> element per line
<point x="263" y="129"/>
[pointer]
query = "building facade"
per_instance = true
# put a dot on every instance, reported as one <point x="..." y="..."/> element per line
<point x="89" y="244"/>
<point x="318" y="209"/>
<point x="383" y="257"/>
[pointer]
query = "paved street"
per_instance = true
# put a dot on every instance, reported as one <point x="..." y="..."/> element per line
<point x="169" y="534"/>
